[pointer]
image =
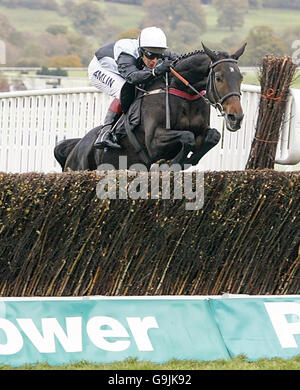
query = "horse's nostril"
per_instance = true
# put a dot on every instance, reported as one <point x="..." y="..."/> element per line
<point x="235" y="118"/>
<point x="231" y="117"/>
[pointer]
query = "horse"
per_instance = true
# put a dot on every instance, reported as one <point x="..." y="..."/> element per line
<point x="186" y="137"/>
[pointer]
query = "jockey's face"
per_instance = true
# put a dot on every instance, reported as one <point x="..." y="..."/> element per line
<point x="150" y="63"/>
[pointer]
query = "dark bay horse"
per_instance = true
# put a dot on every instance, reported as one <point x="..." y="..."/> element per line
<point x="189" y="137"/>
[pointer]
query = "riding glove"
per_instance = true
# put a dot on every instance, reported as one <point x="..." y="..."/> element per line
<point x="162" y="67"/>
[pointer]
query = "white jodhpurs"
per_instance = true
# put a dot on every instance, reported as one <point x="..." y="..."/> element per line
<point x="104" y="75"/>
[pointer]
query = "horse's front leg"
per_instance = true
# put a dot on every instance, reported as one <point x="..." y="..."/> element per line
<point x="172" y="145"/>
<point x="203" y="145"/>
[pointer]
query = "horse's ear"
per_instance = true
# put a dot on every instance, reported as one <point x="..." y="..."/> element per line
<point x="211" y="54"/>
<point x="239" y="52"/>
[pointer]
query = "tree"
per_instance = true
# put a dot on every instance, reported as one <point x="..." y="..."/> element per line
<point x="33" y="4"/>
<point x="89" y="20"/>
<point x="78" y="44"/>
<point x="131" y="33"/>
<point x="55" y="72"/>
<point x="56" y="29"/>
<point x="255" y="3"/>
<point x="290" y="35"/>
<point x="86" y="16"/>
<point x="171" y="14"/>
<point x="231" y="13"/>
<point x="260" y="42"/>
<point x="71" y="60"/>
<point x="6" y="28"/>
<point x="287" y="4"/>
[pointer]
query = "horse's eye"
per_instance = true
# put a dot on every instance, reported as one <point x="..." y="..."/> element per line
<point x="219" y="78"/>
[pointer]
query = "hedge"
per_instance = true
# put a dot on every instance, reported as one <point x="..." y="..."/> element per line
<point x="58" y="239"/>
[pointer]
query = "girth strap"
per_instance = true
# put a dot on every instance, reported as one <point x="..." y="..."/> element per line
<point x="177" y="92"/>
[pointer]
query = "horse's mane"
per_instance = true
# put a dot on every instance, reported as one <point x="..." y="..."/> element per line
<point x="192" y="53"/>
<point x="184" y="56"/>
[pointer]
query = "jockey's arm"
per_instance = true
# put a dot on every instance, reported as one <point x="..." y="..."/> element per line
<point x="128" y="70"/>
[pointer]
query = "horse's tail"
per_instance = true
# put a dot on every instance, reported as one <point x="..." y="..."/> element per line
<point x="63" y="149"/>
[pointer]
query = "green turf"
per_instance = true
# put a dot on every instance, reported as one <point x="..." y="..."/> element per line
<point x="239" y="363"/>
<point x="277" y="19"/>
<point x="252" y="79"/>
<point x="124" y="15"/>
<point x="37" y="21"/>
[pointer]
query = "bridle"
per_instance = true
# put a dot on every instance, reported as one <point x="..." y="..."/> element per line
<point x="213" y="97"/>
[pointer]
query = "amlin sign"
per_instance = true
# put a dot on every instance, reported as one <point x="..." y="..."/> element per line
<point x="107" y="329"/>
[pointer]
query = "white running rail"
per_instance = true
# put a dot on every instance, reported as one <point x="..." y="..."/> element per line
<point x="32" y="122"/>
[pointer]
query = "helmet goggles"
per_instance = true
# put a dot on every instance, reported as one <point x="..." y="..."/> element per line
<point x="150" y="55"/>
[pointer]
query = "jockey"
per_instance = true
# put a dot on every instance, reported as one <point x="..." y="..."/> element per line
<point x="135" y="61"/>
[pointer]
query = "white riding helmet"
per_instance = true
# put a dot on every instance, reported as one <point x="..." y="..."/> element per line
<point x="153" y="39"/>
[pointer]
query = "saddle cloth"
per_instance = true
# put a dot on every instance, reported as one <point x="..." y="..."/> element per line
<point x="129" y="120"/>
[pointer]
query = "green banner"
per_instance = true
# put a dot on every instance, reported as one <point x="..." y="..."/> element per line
<point x="259" y="327"/>
<point x="60" y="331"/>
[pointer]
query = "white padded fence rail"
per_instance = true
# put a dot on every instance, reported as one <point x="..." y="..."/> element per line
<point x="33" y="122"/>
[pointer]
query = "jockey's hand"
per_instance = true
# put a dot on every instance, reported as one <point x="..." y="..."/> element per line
<point x="162" y="67"/>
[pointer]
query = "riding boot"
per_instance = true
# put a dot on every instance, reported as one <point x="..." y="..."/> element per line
<point x="107" y="138"/>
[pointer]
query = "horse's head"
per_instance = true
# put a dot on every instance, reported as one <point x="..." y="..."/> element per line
<point x="224" y="85"/>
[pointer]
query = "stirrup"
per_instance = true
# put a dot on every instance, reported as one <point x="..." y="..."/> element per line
<point x="105" y="141"/>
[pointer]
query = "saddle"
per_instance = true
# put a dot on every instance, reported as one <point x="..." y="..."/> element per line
<point x="131" y="106"/>
<point x="129" y="120"/>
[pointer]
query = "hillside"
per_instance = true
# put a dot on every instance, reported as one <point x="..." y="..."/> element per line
<point x="130" y="16"/>
<point x="121" y="17"/>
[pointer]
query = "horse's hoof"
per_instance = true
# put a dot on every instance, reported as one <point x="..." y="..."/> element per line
<point x="212" y="136"/>
<point x="162" y="161"/>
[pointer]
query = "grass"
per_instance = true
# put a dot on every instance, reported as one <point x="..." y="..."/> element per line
<point x="238" y="363"/>
<point x="130" y="16"/>
<point x="124" y="15"/>
<point x="37" y="21"/>
<point x="252" y="79"/>
<point x="277" y="19"/>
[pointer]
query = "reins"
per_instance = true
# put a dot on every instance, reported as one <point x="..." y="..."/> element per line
<point x="187" y="84"/>
<point x="217" y="103"/>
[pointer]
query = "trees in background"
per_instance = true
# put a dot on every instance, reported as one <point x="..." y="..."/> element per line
<point x="287" y="4"/>
<point x="86" y="17"/>
<point x="31" y="49"/>
<point x="71" y="60"/>
<point x="132" y="2"/>
<point x="32" y="4"/>
<point x="182" y="20"/>
<point x="57" y="29"/>
<point x="89" y="20"/>
<point x="231" y="13"/>
<point x="261" y="41"/>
